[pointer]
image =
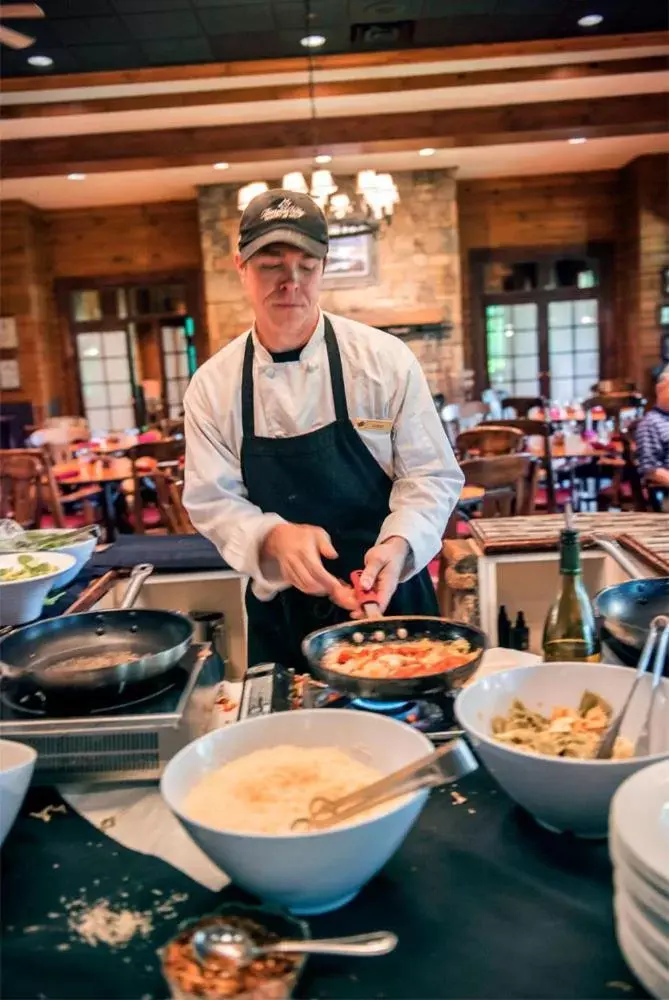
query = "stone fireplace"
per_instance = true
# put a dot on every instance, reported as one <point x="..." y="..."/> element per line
<point x="417" y="278"/>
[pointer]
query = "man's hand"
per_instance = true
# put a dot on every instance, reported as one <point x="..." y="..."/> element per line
<point x="383" y="567"/>
<point x="299" y="550"/>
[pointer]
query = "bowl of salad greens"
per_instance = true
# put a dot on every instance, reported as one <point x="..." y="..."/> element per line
<point x="25" y="580"/>
<point x="77" y="542"/>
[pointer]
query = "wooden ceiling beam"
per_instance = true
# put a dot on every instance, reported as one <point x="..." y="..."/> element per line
<point x="353" y="60"/>
<point x="344" y="88"/>
<point x="258" y="141"/>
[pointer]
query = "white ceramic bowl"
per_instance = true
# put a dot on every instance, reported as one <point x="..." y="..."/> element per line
<point x="21" y="601"/>
<point x="314" y="872"/>
<point x="82" y="551"/>
<point x="564" y="795"/>
<point x="17" y="763"/>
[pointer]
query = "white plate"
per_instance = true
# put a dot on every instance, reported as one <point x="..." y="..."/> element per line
<point x="640" y="820"/>
<point x="630" y="914"/>
<point x="645" y="968"/>
<point x="629" y="863"/>
<point x="656" y="903"/>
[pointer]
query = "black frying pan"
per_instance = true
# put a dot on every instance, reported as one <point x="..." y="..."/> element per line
<point x="627" y="609"/>
<point x="318" y="643"/>
<point x="31" y="655"/>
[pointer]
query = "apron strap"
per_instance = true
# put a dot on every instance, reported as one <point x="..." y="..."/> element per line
<point x="248" y="414"/>
<point x="336" y="373"/>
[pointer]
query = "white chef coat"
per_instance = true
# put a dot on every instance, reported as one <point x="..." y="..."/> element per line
<point x="383" y="382"/>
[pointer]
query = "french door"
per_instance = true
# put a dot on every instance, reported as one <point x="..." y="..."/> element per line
<point x="541" y="321"/>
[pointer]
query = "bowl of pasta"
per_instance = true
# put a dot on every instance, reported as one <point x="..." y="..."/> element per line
<point x="537" y="730"/>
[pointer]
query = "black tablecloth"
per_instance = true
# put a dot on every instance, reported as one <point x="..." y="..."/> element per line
<point x="484" y="902"/>
<point x="168" y="553"/>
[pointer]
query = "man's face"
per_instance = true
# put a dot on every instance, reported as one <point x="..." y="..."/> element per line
<point x="662" y="392"/>
<point x="283" y="285"/>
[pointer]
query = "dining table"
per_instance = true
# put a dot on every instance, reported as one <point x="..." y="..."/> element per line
<point x="107" y="473"/>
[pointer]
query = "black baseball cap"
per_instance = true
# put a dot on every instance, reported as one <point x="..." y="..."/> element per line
<point x="281" y="216"/>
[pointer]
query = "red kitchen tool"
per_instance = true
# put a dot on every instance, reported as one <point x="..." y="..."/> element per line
<point x="369" y="599"/>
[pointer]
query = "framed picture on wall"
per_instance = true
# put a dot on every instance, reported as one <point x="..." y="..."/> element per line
<point x="8" y="335"/>
<point x="352" y="261"/>
<point x="10" y="375"/>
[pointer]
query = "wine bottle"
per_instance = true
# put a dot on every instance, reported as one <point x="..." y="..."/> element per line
<point x="570" y="632"/>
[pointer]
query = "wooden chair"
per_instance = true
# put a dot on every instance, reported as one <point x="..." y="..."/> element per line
<point x="489" y="439"/>
<point x="166" y="455"/>
<point x="55" y="507"/>
<point x="608" y="385"/>
<point x="509" y="482"/>
<point x="21" y="492"/>
<point x="522" y="405"/>
<point x="613" y="405"/>
<point x="547" y="496"/>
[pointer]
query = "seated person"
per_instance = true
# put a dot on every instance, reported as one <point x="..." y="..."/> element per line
<point x="652" y="438"/>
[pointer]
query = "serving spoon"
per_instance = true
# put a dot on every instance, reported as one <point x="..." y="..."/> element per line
<point x="222" y="940"/>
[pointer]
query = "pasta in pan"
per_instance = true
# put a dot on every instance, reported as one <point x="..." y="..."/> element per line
<point x="567" y="732"/>
<point x="401" y="659"/>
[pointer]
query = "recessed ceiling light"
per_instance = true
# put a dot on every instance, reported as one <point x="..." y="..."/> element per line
<point x="323" y="158"/>
<point x="427" y="151"/>
<point x="590" y="20"/>
<point x="577" y="140"/>
<point x="313" y="41"/>
<point x="76" y="177"/>
<point x="221" y="165"/>
<point x="41" y="61"/>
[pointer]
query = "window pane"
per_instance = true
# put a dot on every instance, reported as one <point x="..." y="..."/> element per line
<point x="528" y="388"/>
<point x="91" y="370"/>
<point x="170" y="365"/>
<point x="526" y="367"/>
<point x="562" y="365"/>
<point x="560" y="339"/>
<point x="585" y="312"/>
<point x="98" y="420"/>
<point x="120" y="394"/>
<point x="560" y="313"/>
<point x="587" y="364"/>
<point x="122" y="418"/>
<point x="587" y="338"/>
<point x="183" y="364"/>
<point x="86" y="305"/>
<point x="524" y="317"/>
<point x="526" y="342"/>
<point x="115" y="344"/>
<point x="88" y="345"/>
<point x="172" y="392"/>
<point x="562" y="389"/>
<point x="583" y="388"/>
<point x="94" y="395"/>
<point x="118" y="370"/>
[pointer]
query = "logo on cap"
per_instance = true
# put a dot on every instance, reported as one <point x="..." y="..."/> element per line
<point x="286" y="209"/>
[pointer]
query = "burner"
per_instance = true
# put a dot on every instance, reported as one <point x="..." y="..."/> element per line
<point x="37" y="703"/>
<point x="426" y="716"/>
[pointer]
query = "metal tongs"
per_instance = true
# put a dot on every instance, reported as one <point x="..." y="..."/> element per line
<point x="658" y="627"/>
<point x="455" y="761"/>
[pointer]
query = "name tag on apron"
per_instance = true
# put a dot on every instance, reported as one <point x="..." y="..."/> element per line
<point x="364" y="424"/>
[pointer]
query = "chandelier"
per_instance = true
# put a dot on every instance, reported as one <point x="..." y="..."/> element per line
<point x="364" y="208"/>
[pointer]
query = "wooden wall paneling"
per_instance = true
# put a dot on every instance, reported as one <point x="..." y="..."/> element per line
<point x="556" y="210"/>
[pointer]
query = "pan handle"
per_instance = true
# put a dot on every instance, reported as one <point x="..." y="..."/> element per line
<point x="611" y="547"/>
<point x="139" y="574"/>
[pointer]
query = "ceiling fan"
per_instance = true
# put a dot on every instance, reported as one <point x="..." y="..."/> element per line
<point x="16" y="39"/>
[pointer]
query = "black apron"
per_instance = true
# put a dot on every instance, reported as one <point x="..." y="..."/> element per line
<point x="328" y="478"/>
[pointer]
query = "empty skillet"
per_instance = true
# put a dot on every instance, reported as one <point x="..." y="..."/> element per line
<point x="97" y="649"/>
<point x="392" y="629"/>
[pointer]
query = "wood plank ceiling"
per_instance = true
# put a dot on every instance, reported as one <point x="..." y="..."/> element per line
<point x="485" y="109"/>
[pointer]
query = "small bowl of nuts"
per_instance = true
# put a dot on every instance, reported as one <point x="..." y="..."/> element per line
<point x="269" y="977"/>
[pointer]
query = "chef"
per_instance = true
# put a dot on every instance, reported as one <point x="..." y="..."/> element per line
<point x="313" y="447"/>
